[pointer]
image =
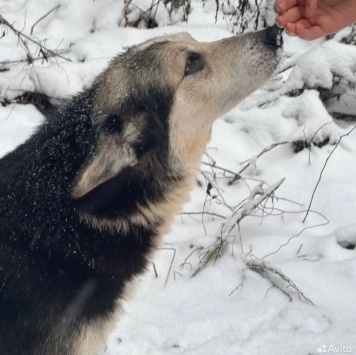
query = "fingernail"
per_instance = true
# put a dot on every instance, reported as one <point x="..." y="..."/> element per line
<point x="279" y="22"/>
<point x="291" y="34"/>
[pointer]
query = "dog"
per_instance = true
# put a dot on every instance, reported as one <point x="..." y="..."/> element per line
<point x="86" y="201"/>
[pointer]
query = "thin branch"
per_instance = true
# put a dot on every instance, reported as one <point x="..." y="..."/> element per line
<point x="212" y="183"/>
<point x="21" y="37"/>
<point x="185" y="262"/>
<point x="44" y="16"/>
<point x="289" y="200"/>
<point x="243" y="279"/>
<point x="298" y="234"/>
<point x="202" y="213"/>
<point x="265" y="150"/>
<point x="154" y="269"/>
<point x="257" y="196"/>
<point x="170" y="266"/>
<point x="319" y="129"/>
<point x="124" y="12"/>
<point x="277" y="279"/>
<point x="322" y="170"/>
<point x="33" y="59"/>
<point x="213" y="165"/>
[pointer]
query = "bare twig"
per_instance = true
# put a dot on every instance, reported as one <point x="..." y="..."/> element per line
<point x="322" y="170"/>
<point x="154" y="269"/>
<point x="257" y="196"/>
<point x="289" y="200"/>
<point x="217" y="10"/>
<point x="144" y="15"/>
<point x="176" y="273"/>
<point x="124" y="12"/>
<point x="319" y="129"/>
<point x="248" y="162"/>
<point x="298" y="234"/>
<point x="213" y="165"/>
<point x="277" y="279"/>
<point x="202" y="213"/>
<point x="22" y="37"/>
<point x="243" y="279"/>
<point x="33" y="59"/>
<point x="170" y="266"/>
<point x="265" y="150"/>
<point x="44" y="16"/>
<point x="155" y="14"/>
<point x="214" y="185"/>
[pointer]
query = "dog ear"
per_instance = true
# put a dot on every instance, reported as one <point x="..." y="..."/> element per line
<point x="113" y="155"/>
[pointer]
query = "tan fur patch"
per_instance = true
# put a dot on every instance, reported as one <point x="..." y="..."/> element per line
<point x="110" y="159"/>
<point x="93" y="336"/>
<point x="176" y="37"/>
<point x="113" y="154"/>
<point x="163" y="211"/>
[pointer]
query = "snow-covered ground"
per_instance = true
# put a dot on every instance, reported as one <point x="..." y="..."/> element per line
<point x="230" y="306"/>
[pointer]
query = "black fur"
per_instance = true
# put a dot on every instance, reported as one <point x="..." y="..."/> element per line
<point x="56" y="271"/>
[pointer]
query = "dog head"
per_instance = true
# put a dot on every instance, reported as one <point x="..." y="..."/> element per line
<point x="158" y="101"/>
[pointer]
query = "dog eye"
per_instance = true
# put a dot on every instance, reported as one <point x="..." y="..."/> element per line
<point x="194" y="64"/>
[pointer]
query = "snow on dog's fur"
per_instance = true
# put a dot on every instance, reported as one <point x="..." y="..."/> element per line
<point x="86" y="200"/>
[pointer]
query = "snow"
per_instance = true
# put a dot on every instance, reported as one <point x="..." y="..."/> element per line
<point x="14" y="129"/>
<point x="226" y="308"/>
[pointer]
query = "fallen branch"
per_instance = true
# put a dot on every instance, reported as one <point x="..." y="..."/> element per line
<point x="257" y="196"/>
<point x="277" y="279"/>
<point x="33" y="59"/>
<point x="22" y="37"/>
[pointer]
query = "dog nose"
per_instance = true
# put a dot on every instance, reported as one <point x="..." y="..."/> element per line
<point x="272" y="36"/>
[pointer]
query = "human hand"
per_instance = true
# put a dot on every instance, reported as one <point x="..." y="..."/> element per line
<point x="311" y="19"/>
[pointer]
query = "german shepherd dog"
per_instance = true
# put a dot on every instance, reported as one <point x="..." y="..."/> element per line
<point x="86" y="200"/>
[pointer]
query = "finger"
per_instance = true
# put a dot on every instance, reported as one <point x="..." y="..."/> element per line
<point x="310" y="7"/>
<point x="291" y="34"/>
<point x="275" y="6"/>
<point x="309" y="34"/>
<point x="290" y="29"/>
<point x="292" y="15"/>
<point x="302" y="24"/>
<point x="280" y="22"/>
<point x="281" y="6"/>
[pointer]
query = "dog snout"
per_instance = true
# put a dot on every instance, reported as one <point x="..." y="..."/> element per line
<point x="272" y="36"/>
